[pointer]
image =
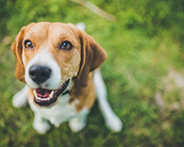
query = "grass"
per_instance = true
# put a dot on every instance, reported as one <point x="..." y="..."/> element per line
<point x="143" y="44"/>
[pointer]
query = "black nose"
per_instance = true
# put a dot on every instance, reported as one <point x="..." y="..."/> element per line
<point x="39" y="74"/>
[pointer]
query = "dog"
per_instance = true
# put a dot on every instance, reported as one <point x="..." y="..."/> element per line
<point x="59" y="63"/>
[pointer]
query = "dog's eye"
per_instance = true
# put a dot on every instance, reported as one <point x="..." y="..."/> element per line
<point x="66" y="45"/>
<point x="28" y="44"/>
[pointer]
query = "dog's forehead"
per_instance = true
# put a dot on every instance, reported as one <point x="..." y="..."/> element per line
<point x="44" y="30"/>
<point x="38" y="28"/>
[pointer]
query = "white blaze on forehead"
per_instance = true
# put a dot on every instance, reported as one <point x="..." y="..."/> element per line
<point x="44" y="58"/>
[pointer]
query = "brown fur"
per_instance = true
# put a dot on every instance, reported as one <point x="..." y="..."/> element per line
<point x="85" y="95"/>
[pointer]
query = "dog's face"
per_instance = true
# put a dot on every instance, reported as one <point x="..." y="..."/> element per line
<point x="50" y="55"/>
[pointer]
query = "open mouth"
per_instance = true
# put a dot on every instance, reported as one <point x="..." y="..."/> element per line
<point x="46" y="97"/>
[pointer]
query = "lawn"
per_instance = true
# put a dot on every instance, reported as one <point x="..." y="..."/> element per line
<point x="143" y="73"/>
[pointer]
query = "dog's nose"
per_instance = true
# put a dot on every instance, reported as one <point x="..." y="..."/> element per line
<point x="39" y="74"/>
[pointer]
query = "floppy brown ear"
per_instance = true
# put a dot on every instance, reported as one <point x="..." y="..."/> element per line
<point x="92" y="56"/>
<point x="16" y="48"/>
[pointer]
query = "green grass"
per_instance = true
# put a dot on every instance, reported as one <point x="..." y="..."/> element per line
<point x="143" y="43"/>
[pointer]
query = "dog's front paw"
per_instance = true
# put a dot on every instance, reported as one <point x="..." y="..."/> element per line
<point x="77" y="124"/>
<point x="19" y="100"/>
<point x="114" y="123"/>
<point x="41" y="126"/>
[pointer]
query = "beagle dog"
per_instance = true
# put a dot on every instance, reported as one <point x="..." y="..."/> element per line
<point x="60" y="65"/>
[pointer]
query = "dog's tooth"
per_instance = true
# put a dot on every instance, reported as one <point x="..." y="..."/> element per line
<point x="35" y="93"/>
<point x="51" y="94"/>
<point x="48" y="98"/>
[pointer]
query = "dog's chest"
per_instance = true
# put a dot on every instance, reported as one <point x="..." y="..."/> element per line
<point x="62" y="111"/>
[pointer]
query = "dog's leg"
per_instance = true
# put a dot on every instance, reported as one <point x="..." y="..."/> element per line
<point x="40" y="124"/>
<point x="77" y="123"/>
<point x="111" y="120"/>
<point x="20" y="98"/>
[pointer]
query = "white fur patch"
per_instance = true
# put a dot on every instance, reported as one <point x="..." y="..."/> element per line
<point x="40" y="124"/>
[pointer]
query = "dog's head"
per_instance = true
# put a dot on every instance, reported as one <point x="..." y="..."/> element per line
<point x="50" y="55"/>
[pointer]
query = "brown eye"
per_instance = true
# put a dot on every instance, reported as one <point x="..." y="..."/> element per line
<point x="66" y="45"/>
<point x="28" y="44"/>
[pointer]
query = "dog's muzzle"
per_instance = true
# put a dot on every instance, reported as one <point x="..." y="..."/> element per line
<point x="45" y="96"/>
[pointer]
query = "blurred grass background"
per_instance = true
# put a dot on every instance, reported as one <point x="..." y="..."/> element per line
<point x="143" y="72"/>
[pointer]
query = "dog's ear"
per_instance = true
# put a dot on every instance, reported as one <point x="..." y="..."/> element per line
<point x="92" y="56"/>
<point x="16" y="48"/>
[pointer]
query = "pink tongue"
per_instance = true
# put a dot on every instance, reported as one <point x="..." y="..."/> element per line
<point x="43" y="92"/>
